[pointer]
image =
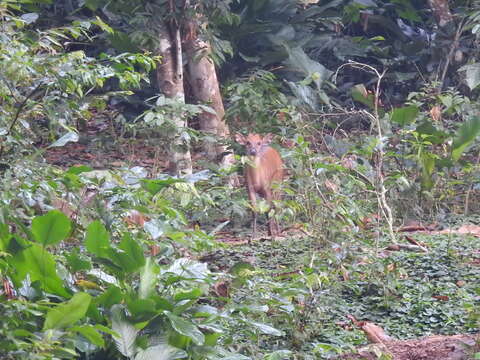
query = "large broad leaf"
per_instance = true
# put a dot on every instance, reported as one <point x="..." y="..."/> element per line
<point x="428" y="166"/>
<point x="188" y="295"/>
<point x="359" y="93"/>
<point x="148" y="279"/>
<point x="113" y="295"/>
<point x="78" y="169"/>
<point x="316" y="11"/>
<point x="266" y="329"/>
<point x="51" y="228"/>
<point x="436" y="136"/>
<point x="77" y="261"/>
<point x="472" y="75"/>
<point x="465" y="136"/>
<point x="127" y="333"/>
<point x="156" y="228"/>
<point x="131" y="257"/>
<point x="90" y="333"/>
<point x="68" y="313"/>
<point x="141" y="309"/>
<point x="186" y="328"/>
<point x="40" y="266"/>
<point x="68" y="137"/>
<point x="279" y="355"/>
<point x="188" y="269"/>
<point x="404" y="115"/>
<point x="304" y="94"/>
<point x="154" y="186"/>
<point x="97" y="239"/>
<point x="162" y="351"/>
<point x="299" y="61"/>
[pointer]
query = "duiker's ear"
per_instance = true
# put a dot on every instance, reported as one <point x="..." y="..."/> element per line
<point x="239" y="138"/>
<point x="267" y="139"/>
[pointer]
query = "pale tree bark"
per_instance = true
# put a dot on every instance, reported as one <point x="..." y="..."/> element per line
<point x="205" y="87"/>
<point x="170" y="82"/>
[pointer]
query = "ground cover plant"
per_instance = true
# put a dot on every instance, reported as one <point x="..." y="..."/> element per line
<point x="125" y="225"/>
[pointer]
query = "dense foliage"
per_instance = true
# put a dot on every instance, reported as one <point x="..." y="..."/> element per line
<point x="375" y="103"/>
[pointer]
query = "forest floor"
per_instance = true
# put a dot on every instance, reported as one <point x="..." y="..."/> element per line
<point x="455" y="347"/>
<point x="137" y="153"/>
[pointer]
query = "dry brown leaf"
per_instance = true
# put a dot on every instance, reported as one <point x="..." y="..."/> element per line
<point x="436" y="113"/>
<point x="331" y="186"/>
<point x="64" y="207"/>
<point x="222" y="289"/>
<point x="349" y="162"/>
<point x="345" y="274"/>
<point x="134" y="217"/>
<point x="414" y="242"/>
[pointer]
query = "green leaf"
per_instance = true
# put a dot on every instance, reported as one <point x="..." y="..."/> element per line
<point x="162" y="303"/>
<point x="188" y="295"/>
<point x="130" y="255"/>
<point x="113" y="295"/>
<point x="278" y="355"/>
<point x="78" y="169"/>
<point x="68" y="137"/>
<point x="163" y="351"/>
<point x="188" y="269"/>
<point x="97" y="239"/>
<point x="68" y="313"/>
<point x="154" y="186"/>
<point x="266" y="329"/>
<point x="148" y="279"/>
<point x="435" y="136"/>
<point x="105" y="329"/>
<point x="359" y="93"/>
<point x="141" y="307"/>
<point x="404" y="115"/>
<point x="133" y="250"/>
<point x="465" y="136"/>
<point x="78" y="262"/>
<point x="127" y="333"/>
<point x="428" y="166"/>
<point x="242" y="268"/>
<point x="29" y="18"/>
<point x="51" y="228"/>
<point x="186" y="328"/>
<point x="40" y="266"/>
<point x="89" y="333"/>
<point x="93" y="5"/>
<point x="472" y="75"/>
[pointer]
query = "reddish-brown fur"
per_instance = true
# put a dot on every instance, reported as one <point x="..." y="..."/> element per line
<point x="264" y="169"/>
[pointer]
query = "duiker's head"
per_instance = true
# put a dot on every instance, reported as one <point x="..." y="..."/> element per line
<point x="255" y="144"/>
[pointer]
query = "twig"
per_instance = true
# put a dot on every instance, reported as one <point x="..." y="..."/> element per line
<point x="19" y="110"/>
<point x="450" y="54"/>
<point x="470" y="187"/>
<point x="381" y="190"/>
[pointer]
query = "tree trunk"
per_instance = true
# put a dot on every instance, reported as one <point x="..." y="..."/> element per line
<point x="170" y="82"/>
<point x="206" y="90"/>
<point x="444" y="17"/>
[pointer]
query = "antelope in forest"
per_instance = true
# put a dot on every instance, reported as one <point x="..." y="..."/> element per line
<point x="265" y="167"/>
